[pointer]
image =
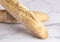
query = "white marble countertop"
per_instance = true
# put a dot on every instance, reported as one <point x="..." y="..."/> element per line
<point x="18" y="33"/>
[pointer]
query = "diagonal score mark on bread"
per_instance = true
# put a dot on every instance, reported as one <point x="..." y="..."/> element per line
<point x="26" y="17"/>
<point x="35" y="27"/>
<point x="18" y="10"/>
<point x="6" y="17"/>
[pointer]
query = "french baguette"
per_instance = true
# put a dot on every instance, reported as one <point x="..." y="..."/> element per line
<point x="5" y="17"/>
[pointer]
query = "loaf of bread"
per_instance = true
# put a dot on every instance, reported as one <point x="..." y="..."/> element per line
<point x="5" y="17"/>
<point x="27" y="18"/>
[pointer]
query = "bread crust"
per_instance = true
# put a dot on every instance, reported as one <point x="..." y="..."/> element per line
<point x="41" y="16"/>
<point x="5" y="17"/>
<point x="26" y="17"/>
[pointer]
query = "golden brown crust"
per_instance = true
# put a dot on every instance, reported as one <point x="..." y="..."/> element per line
<point x="41" y="16"/>
<point x="36" y="27"/>
<point x="25" y="17"/>
<point x="5" y="17"/>
<point x="14" y="8"/>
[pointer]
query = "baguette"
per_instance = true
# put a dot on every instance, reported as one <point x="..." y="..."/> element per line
<point x="5" y="17"/>
<point x="26" y="17"/>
